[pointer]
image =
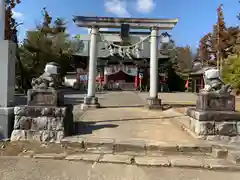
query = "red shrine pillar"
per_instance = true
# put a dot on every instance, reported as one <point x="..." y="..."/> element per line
<point x="105" y="78"/>
<point x="136" y="81"/>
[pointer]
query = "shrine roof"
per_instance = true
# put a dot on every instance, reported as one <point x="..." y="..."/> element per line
<point x="135" y="23"/>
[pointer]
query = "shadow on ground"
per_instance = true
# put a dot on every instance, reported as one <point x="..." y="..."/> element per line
<point x="177" y="105"/>
<point x="80" y="128"/>
<point x="70" y="91"/>
<point x="120" y="106"/>
<point x="73" y="101"/>
<point x="88" y="127"/>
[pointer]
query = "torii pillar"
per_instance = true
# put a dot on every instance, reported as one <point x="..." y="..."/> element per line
<point x="153" y="101"/>
<point x="91" y="100"/>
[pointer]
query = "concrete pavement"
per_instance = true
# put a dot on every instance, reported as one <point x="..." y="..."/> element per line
<point x="36" y="169"/>
<point x="127" y="123"/>
<point x="169" y="98"/>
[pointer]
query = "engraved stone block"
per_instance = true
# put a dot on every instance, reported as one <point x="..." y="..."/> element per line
<point x="204" y="128"/>
<point x="33" y="135"/>
<point x="22" y="122"/>
<point x="52" y="136"/>
<point x="55" y="123"/>
<point x="39" y="123"/>
<point x="59" y="136"/>
<point x="215" y="101"/>
<point x="36" y="111"/>
<point x="48" y="111"/>
<point x="43" y="97"/>
<point x="17" y="122"/>
<point x="213" y="115"/>
<point x="226" y="128"/>
<point x="18" y="135"/>
<point x="60" y="112"/>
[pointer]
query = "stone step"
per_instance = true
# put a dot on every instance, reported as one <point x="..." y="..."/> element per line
<point x="234" y="156"/>
<point x="142" y="147"/>
<point x="159" y="161"/>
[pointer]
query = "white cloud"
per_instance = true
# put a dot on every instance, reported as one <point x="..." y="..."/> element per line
<point x="145" y="6"/>
<point x="17" y="15"/>
<point x="117" y="7"/>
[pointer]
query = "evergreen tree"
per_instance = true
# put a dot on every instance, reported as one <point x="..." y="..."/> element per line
<point x="10" y="22"/>
<point x="10" y="33"/>
<point x="48" y="42"/>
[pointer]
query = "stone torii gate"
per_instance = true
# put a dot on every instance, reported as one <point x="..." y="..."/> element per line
<point x="94" y="23"/>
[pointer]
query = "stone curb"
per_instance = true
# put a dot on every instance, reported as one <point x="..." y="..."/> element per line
<point x="149" y="161"/>
<point x="134" y="146"/>
<point x="217" y="150"/>
<point x="234" y="157"/>
<point x="50" y="156"/>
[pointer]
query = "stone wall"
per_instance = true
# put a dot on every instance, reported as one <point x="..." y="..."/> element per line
<point x="209" y="128"/>
<point x="45" y="124"/>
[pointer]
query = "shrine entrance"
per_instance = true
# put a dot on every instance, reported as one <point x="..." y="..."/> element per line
<point x="124" y="49"/>
<point x="120" y="76"/>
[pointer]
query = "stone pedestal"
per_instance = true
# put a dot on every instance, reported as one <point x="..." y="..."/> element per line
<point x="43" y="119"/>
<point x="154" y="103"/>
<point x="44" y="124"/>
<point x="45" y="97"/>
<point x="214" y="115"/>
<point x="90" y="102"/>
<point x="215" y="102"/>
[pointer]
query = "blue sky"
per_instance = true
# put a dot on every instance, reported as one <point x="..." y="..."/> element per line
<point x="196" y="17"/>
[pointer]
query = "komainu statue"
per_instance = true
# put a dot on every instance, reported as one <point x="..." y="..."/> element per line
<point x="49" y="79"/>
<point x="213" y="82"/>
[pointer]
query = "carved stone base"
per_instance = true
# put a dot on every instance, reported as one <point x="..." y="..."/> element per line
<point x="212" y="101"/>
<point x="44" y="97"/>
<point x="90" y="102"/>
<point x="214" y="115"/>
<point x="208" y="123"/>
<point x="44" y="124"/>
<point x="154" y="103"/>
<point x="41" y="136"/>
